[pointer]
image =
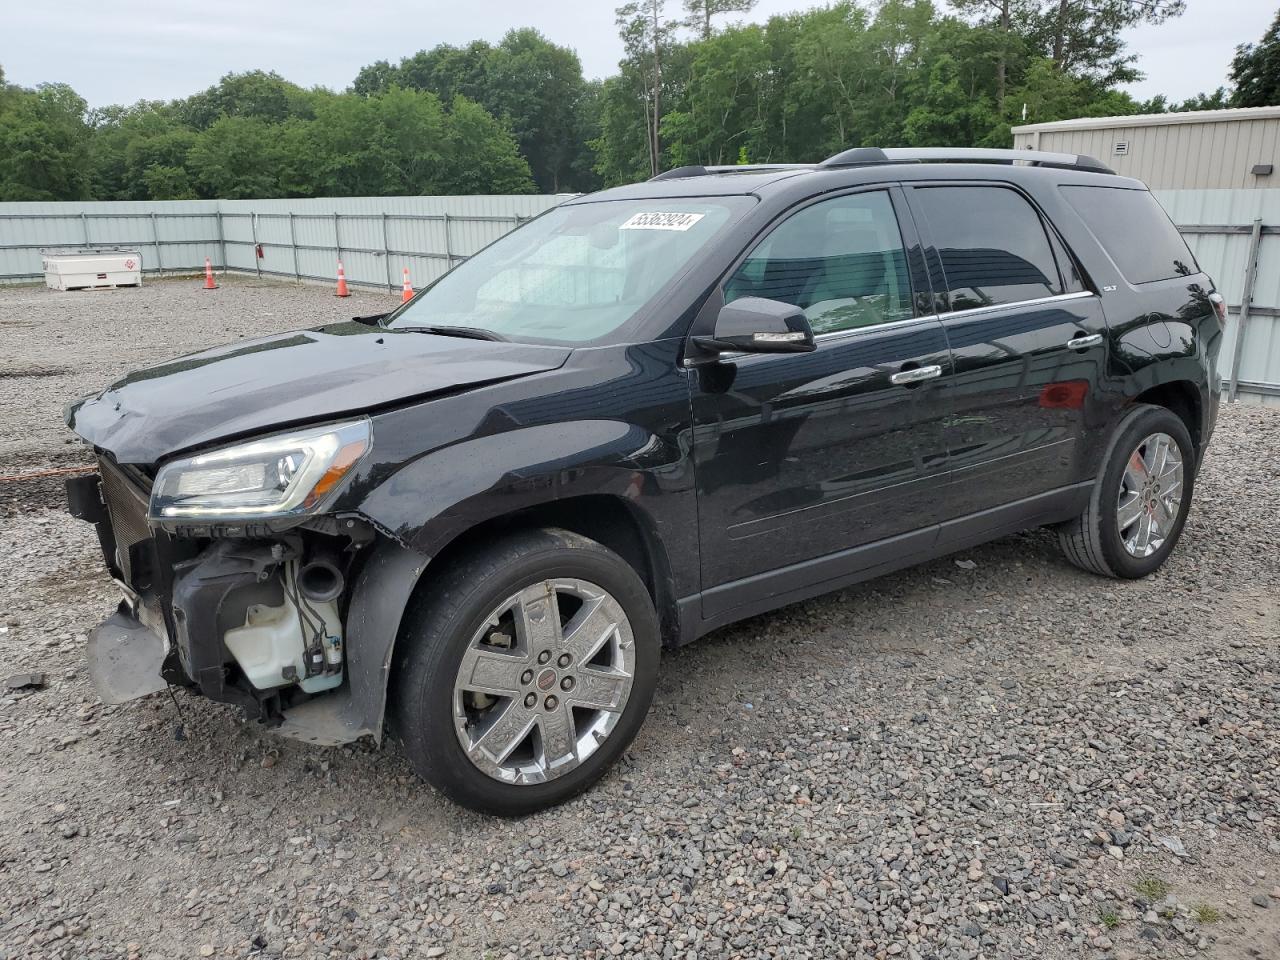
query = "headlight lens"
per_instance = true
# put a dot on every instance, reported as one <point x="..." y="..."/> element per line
<point x="281" y="476"/>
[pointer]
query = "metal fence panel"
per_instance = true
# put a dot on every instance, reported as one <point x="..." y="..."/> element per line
<point x="376" y="237"/>
<point x="1218" y="226"/>
<point x="27" y="228"/>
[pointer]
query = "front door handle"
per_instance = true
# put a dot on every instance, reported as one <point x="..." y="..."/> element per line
<point x="915" y="375"/>
<point x="1084" y="340"/>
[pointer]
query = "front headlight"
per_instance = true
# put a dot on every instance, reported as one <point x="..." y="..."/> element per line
<point x="281" y="476"/>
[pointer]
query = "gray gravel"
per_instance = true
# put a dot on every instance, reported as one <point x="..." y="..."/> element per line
<point x="1013" y="759"/>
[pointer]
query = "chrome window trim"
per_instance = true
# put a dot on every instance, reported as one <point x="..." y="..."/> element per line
<point x="854" y="331"/>
<point x="928" y="317"/>
<point x="689" y="362"/>
<point x="1016" y="305"/>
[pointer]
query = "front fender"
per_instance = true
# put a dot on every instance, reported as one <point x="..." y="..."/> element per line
<point x="434" y="498"/>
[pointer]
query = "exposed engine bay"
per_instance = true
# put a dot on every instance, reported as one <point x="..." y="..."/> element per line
<point x="256" y="620"/>
<point x="262" y="612"/>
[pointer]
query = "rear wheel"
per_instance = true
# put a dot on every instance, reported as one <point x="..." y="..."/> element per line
<point x="1139" y="504"/>
<point x="530" y="667"/>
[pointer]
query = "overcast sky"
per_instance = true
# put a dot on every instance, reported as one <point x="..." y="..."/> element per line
<point x="119" y="51"/>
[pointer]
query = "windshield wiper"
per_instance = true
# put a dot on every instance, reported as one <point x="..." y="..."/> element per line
<point x="470" y="333"/>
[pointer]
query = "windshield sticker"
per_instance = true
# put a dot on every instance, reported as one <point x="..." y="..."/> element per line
<point x="662" y="221"/>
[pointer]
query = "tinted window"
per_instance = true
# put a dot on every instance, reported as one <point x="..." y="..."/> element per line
<point x="1072" y="279"/>
<point x="840" y="260"/>
<point x="993" y="244"/>
<point x="1135" y="231"/>
<point x="578" y="273"/>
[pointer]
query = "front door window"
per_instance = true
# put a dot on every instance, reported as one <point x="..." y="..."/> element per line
<point x="841" y="261"/>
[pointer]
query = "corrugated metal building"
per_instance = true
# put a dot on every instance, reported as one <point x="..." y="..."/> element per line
<point x="1200" y="150"/>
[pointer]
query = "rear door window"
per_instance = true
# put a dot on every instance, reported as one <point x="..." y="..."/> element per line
<point x="1135" y="231"/>
<point x="994" y="247"/>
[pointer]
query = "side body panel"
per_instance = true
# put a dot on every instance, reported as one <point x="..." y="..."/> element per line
<point x="804" y="455"/>
<point x="1026" y="406"/>
<point x="808" y="456"/>
<point x="1161" y="333"/>
<point x="1027" y="366"/>
<point x="613" y="421"/>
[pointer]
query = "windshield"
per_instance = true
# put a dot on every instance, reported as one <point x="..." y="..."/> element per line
<point x="575" y="274"/>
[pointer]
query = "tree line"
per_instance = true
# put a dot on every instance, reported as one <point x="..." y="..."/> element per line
<point x="519" y="116"/>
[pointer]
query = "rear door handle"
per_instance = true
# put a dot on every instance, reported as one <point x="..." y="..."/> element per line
<point x="915" y="375"/>
<point x="1084" y="340"/>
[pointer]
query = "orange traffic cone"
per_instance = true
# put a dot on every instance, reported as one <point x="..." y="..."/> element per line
<point x="407" y="292"/>
<point x="208" y="275"/>
<point x="342" y="282"/>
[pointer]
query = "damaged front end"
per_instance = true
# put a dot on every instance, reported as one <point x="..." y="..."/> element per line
<point x="235" y="581"/>
<point x="256" y="623"/>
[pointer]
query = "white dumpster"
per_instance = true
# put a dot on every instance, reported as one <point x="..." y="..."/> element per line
<point x="92" y="268"/>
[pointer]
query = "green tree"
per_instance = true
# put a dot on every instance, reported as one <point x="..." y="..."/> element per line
<point x="833" y="58"/>
<point x="1219" y="99"/>
<point x="1001" y="18"/>
<point x="1255" y="71"/>
<point x="44" y="144"/>
<point x="114" y="130"/>
<point x="257" y="94"/>
<point x="646" y="33"/>
<point x="536" y="88"/>
<point x="1049" y="94"/>
<point x="158" y="164"/>
<point x="723" y="107"/>
<point x="532" y="85"/>
<point x="168" y="183"/>
<point x="377" y="77"/>
<point x="483" y="156"/>
<point x="1082" y="37"/>
<point x="623" y="143"/>
<point x="400" y="142"/>
<point x="386" y="145"/>
<point x="448" y="71"/>
<point x="235" y="159"/>
<point x="700" y="12"/>
<point x="946" y="112"/>
<point x="589" y="118"/>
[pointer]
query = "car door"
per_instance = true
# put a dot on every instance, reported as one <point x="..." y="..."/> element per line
<point x="804" y="459"/>
<point x="1028" y="340"/>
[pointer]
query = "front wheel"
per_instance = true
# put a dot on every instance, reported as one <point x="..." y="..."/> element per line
<point x="1139" y="504"/>
<point x="529" y="667"/>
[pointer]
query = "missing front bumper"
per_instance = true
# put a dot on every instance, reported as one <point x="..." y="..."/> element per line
<point x="125" y="658"/>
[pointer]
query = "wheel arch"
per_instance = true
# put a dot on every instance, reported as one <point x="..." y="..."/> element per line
<point x="1183" y="398"/>
<point x="609" y="519"/>
<point x="394" y="573"/>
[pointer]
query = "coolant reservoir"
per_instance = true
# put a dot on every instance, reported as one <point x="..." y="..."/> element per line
<point x="271" y="641"/>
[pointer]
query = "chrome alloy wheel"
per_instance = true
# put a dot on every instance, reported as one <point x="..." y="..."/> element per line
<point x="1151" y="493"/>
<point x="544" y="681"/>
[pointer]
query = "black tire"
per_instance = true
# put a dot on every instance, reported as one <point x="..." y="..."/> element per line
<point x="439" y="625"/>
<point x="1092" y="540"/>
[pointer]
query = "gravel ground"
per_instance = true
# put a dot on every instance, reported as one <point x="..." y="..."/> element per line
<point x="994" y="755"/>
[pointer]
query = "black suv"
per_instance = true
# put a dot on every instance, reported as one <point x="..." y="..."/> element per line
<point x="650" y="412"/>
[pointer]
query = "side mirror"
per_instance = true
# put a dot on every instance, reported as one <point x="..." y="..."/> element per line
<point x="757" y="325"/>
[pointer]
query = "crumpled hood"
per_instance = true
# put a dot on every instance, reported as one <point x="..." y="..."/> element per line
<point x="259" y="385"/>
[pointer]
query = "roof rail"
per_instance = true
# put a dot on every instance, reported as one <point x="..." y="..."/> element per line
<point x="869" y="156"/>
<point x="698" y="170"/>
<point x="856" y="157"/>
<point x="1036" y="158"/>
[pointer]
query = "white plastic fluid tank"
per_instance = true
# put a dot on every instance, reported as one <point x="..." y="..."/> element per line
<point x="271" y="640"/>
<point x="86" y="269"/>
